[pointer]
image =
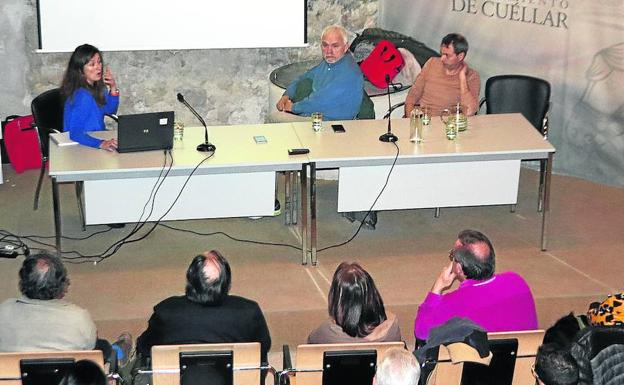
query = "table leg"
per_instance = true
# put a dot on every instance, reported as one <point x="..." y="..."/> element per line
<point x="56" y="204"/>
<point x="313" y="213"/>
<point x="546" y="200"/>
<point x="294" y="190"/>
<point x="287" y="199"/>
<point x="303" y="224"/>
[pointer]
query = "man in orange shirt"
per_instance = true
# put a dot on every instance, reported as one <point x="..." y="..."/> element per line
<point x="446" y="80"/>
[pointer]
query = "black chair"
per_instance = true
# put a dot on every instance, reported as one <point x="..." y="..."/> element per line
<point x="524" y="94"/>
<point x="47" y="111"/>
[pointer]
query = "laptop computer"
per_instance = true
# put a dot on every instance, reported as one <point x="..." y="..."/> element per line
<point x="144" y="132"/>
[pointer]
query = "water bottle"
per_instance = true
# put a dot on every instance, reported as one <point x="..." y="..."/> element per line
<point x="416" y="126"/>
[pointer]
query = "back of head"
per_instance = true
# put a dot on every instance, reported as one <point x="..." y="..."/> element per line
<point x="459" y="42"/>
<point x="354" y="301"/>
<point x="84" y="372"/>
<point x="398" y="367"/>
<point x="475" y="255"/>
<point x="43" y="276"/>
<point x="555" y="366"/>
<point x="208" y="279"/>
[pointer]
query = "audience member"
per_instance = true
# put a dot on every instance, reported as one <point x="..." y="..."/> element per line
<point x="398" y="367"/>
<point x="90" y="92"/>
<point x="84" y="372"/>
<point x="496" y="302"/>
<point x="446" y="80"/>
<point x="356" y="309"/>
<point x="334" y="87"/>
<point x="41" y="320"/>
<point x="207" y="313"/>
<point x="555" y="366"/>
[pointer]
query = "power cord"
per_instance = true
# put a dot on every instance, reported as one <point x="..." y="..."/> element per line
<point x="371" y="208"/>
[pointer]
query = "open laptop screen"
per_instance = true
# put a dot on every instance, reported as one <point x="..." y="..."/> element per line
<point x="144" y="132"/>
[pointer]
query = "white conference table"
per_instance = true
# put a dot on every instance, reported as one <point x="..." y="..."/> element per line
<point x="480" y="167"/>
<point x="237" y="181"/>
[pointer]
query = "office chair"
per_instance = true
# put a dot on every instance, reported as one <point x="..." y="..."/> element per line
<point x="527" y="95"/>
<point x="47" y="111"/>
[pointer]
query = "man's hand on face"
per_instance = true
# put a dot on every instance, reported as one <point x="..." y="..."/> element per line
<point x="284" y="104"/>
<point x="445" y="279"/>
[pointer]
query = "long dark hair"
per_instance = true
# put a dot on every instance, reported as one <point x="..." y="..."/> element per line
<point x="74" y="76"/>
<point x="354" y="302"/>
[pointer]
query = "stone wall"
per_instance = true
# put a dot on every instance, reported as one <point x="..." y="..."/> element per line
<point x="226" y="86"/>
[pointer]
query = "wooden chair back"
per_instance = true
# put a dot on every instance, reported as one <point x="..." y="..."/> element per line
<point x="166" y="361"/>
<point x="10" y="373"/>
<point x="447" y="373"/>
<point x="309" y="359"/>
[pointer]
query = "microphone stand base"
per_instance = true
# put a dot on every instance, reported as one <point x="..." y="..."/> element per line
<point x="206" y="147"/>
<point x="389" y="137"/>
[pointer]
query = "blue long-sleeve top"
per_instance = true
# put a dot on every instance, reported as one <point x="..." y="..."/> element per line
<point x="82" y="114"/>
<point x="337" y="90"/>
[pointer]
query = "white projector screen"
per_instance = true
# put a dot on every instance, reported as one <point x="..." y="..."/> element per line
<point x="128" y="25"/>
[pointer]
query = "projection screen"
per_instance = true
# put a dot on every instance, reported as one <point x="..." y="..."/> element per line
<point x="128" y="25"/>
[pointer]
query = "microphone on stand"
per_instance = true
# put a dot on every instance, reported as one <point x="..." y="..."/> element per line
<point x="206" y="146"/>
<point x="389" y="136"/>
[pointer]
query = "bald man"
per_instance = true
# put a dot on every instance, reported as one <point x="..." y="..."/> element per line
<point x="206" y="313"/>
<point x="496" y="302"/>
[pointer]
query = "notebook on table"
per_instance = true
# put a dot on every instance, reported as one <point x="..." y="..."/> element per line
<point x="144" y="132"/>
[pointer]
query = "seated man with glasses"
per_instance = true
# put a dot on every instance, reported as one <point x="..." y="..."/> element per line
<point x="496" y="302"/>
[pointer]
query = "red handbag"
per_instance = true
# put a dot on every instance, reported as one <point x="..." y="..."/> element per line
<point x="22" y="143"/>
<point x="382" y="64"/>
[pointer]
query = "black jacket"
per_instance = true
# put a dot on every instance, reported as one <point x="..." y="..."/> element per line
<point x="596" y="368"/>
<point x="176" y="320"/>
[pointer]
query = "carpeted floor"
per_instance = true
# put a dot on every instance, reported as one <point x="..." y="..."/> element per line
<point x="404" y="255"/>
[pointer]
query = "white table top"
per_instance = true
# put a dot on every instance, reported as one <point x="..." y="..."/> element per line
<point x="489" y="137"/>
<point x="236" y="152"/>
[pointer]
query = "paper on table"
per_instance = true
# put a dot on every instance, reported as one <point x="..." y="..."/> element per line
<point x="62" y="139"/>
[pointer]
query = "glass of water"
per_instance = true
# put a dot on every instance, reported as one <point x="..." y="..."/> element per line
<point x="178" y="131"/>
<point x="317" y="121"/>
<point x="426" y="115"/>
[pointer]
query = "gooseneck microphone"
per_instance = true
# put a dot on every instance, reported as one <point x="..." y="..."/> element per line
<point x="388" y="136"/>
<point x="206" y="146"/>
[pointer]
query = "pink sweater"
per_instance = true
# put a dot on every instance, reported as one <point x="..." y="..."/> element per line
<point x="501" y="303"/>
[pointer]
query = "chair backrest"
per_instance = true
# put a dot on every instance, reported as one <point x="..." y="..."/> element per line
<point x="447" y="373"/>
<point x="10" y="373"/>
<point x="246" y="361"/>
<point x="47" y="110"/>
<point x="309" y="358"/>
<point x="518" y="93"/>
<point x="367" y="108"/>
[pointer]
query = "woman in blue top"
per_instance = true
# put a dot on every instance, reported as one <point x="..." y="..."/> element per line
<point x="89" y="95"/>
